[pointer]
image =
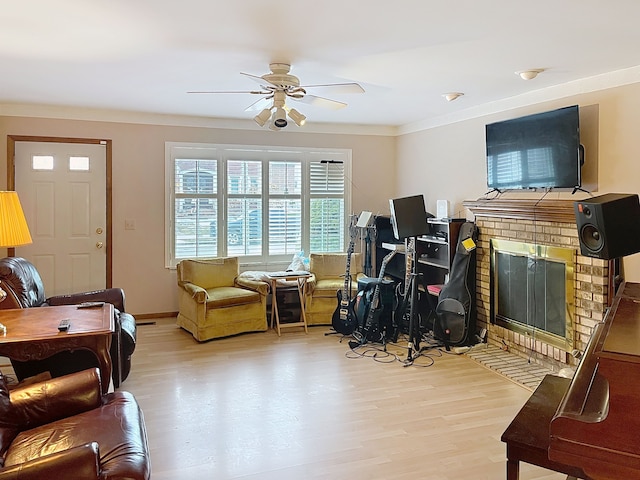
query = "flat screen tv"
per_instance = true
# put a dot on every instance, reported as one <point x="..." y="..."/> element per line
<point x="408" y="216"/>
<point x="537" y="151"/>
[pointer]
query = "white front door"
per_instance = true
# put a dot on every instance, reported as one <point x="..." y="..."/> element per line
<point x="62" y="188"/>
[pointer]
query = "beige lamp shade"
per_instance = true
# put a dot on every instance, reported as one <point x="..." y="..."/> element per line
<point x="13" y="226"/>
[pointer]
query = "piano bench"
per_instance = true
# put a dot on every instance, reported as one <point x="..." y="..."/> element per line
<point x="527" y="437"/>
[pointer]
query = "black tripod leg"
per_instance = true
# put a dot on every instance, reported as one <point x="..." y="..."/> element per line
<point x="414" y="340"/>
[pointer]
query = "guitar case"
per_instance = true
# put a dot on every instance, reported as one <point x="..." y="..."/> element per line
<point x="455" y="320"/>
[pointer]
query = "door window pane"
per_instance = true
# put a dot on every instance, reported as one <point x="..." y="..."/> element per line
<point x="42" y="162"/>
<point x="79" y="164"/>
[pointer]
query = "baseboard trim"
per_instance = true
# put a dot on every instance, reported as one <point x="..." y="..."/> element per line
<point x="147" y="316"/>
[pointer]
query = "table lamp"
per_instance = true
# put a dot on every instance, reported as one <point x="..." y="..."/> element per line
<point x="13" y="225"/>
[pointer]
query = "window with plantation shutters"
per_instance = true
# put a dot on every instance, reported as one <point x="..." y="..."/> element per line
<point x="285" y="207"/>
<point x="263" y="204"/>
<point x="195" y="207"/>
<point x="326" y="205"/>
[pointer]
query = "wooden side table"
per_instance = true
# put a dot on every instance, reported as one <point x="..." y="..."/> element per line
<point x="301" y="284"/>
<point x="527" y="437"/>
<point x="32" y="334"/>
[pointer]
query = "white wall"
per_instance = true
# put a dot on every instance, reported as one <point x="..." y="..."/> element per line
<point x="448" y="162"/>
<point x="138" y="187"/>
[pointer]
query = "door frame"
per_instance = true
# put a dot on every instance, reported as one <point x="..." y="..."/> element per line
<point x="11" y="183"/>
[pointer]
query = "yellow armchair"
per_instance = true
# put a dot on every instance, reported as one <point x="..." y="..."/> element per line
<point x="213" y="302"/>
<point x="327" y="277"/>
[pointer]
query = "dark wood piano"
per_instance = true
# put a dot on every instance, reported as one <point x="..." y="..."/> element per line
<point x="597" y="424"/>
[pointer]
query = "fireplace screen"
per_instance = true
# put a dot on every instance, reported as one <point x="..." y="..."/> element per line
<point x="532" y="290"/>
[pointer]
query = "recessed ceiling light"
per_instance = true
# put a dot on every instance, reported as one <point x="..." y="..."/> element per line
<point x="529" y="74"/>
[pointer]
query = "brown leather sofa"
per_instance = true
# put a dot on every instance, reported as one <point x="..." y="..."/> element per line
<point x="20" y="279"/>
<point x="65" y="428"/>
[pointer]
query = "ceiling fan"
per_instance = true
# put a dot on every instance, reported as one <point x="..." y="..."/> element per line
<point x="279" y="84"/>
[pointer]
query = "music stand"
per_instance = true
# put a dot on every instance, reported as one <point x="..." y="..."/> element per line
<point x="363" y="222"/>
<point x="409" y="220"/>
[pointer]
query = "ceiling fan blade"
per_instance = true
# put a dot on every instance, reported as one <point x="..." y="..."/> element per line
<point x="320" y="102"/>
<point x="254" y="92"/>
<point x="339" y="87"/>
<point x="259" y="105"/>
<point x="256" y="78"/>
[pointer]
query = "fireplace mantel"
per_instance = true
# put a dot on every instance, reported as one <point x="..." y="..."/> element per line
<point x="524" y="209"/>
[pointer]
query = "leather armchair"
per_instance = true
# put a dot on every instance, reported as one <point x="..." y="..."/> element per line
<point x="20" y="279"/>
<point x="327" y="277"/>
<point x="65" y="428"/>
<point x="215" y="302"/>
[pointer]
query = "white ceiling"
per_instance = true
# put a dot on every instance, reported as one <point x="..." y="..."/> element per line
<point x="144" y="55"/>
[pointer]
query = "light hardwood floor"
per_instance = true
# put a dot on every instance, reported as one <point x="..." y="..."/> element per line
<point x="259" y="406"/>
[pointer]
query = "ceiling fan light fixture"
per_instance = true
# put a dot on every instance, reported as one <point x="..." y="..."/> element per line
<point x="529" y="74"/>
<point x="280" y="118"/>
<point x="297" y="117"/>
<point x="263" y="117"/>
<point x="451" y="96"/>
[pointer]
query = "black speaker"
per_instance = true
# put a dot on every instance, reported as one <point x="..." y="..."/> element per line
<point x="608" y="225"/>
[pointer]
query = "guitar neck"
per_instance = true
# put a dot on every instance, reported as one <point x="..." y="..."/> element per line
<point x="376" y="292"/>
<point x="347" y="277"/>
<point x="346" y="289"/>
<point x="410" y="252"/>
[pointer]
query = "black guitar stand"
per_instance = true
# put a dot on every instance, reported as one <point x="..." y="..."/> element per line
<point x="413" y="345"/>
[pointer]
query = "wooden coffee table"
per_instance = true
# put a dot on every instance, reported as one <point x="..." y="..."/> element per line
<point x="32" y="334"/>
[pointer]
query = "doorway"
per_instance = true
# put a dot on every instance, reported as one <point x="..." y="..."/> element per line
<point x="64" y="186"/>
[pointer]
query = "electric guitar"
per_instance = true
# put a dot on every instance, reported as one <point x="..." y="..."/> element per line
<point x="344" y="320"/>
<point x="371" y="325"/>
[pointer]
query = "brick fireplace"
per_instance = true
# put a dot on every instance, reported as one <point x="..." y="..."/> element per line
<point x="549" y="223"/>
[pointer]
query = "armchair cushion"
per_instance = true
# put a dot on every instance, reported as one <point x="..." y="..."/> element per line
<point x="325" y="265"/>
<point x="22" y="282"/>
<point x="56" y="398"/>
<point x="84" y="429"/>
<point x="114" y="296"/>
<point x="227" y="296"/>
<point x="76" y="463"/>
<point x="200" y="273"/>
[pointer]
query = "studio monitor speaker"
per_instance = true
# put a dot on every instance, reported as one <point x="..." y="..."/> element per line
<point x="608" y="225"/>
